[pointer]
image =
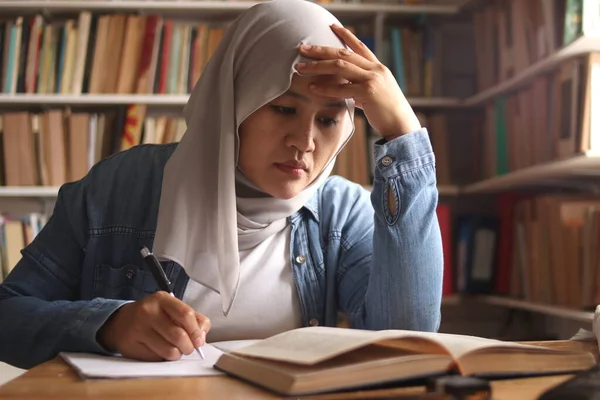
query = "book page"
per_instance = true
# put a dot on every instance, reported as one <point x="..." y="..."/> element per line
<point x="308" y="345"/>
<point x="311" y="345"/>
<point x="100" y="366"/>
<point x="458" y="345"/>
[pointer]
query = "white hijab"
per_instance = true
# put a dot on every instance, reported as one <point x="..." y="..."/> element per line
<point x="202" y="224"/>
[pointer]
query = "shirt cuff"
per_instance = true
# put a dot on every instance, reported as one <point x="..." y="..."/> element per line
<point x="403" y="154"/>
<point x="97" y="314"/>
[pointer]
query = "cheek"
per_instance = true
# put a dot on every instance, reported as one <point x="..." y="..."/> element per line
<point x="328" y="146"/>
<point x="255" y="149"/>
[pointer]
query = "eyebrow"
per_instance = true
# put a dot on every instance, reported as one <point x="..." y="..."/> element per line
<point x="333" y="104"/>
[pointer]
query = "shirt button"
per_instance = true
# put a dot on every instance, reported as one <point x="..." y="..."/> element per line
<point x="387" y="160"/>
<point x="129" y="274"/>
<point x="313" y="322"/>
<point x="300" y="259"/>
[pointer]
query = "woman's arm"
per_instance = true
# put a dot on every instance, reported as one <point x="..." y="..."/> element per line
<point x="40" y="313"/>
<point x="393" y="274"/>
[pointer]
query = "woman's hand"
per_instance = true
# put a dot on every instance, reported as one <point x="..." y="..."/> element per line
<point x="369" y="83"/>
<point x="155" y="328"/>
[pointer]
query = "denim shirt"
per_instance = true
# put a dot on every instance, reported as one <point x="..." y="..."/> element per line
<point x="348" y="252"/>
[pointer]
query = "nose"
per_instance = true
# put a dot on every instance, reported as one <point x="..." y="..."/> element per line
<point x="302" y="137"/>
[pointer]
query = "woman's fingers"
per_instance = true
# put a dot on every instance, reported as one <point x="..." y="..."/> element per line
<point x="358" y="81"/>
<point x="144" y="353"/>
<point x="185" y="317"/>
<point x="205" y="325"/>
<point x="173" y="334"/>
<point x="360" y="54"/>
<point x="341" y="68"/>
<point x="333" y="53"/>
<point x="140" y="350"/>
<point x="336" y="90"/>
<point x="354" y="43"/>
<point x="157" y="327"/>
<point x="370" y="84"/>
<point x="161" y="347"/>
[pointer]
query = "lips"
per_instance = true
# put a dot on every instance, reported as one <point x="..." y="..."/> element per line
<point x="293" y="168"/>
<point x="293" y="164"/>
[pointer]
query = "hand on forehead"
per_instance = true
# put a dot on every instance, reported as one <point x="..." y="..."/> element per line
<point x="328" y="80"/>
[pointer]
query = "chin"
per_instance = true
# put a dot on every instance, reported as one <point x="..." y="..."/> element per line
<point x="286" y="190"/>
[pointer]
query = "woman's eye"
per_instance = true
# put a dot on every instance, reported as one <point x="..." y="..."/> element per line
<point x="284" y="110"/>
<point x="328" y="121"/>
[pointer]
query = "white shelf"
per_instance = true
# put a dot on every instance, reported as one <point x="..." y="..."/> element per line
<point x="452" y="300"/>
<point x="580" y="46"/>
<point x="463" y="300"/>
<point x="543" y="174"/>
<point x="555" y="311"/>
<point x="448" y="190"/>
<point x="196" y="7"/>
<point x="28" y="191"/>
<point x="163" y="100"/>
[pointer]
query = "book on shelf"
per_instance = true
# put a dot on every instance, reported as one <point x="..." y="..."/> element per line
<point x="537" y="247"/>
<point x="130" y="53"/>
<point x="512" y="35"/>
<point x="321" y="359"/>
<point x="582" y="18"/>
<point x="477" y="250"/>
<point x="16" y="232"/>
<point x="104" y="53"/>
<point x="548" y="119"/>
<point x="56" y="146"/>
<point x="555" y="250"/>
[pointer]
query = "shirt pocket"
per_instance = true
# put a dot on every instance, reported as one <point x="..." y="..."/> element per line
<point x="127" y="282"/>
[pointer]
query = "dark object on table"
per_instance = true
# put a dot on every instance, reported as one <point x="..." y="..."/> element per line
<point x="461" y="387"/>
<point x="583" y="386"/>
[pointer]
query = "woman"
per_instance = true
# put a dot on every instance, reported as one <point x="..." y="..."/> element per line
<point x="254" y="235"/>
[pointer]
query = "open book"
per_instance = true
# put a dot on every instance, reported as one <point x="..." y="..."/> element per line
<point x="320" y="359"/>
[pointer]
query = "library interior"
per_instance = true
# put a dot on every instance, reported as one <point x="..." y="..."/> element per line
<point x="509" y="91"/>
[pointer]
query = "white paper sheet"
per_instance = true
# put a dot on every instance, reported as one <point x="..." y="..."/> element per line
<point x="594" y="334"/>
<point x="100" y="366"/>
<point x="230" y="345"/>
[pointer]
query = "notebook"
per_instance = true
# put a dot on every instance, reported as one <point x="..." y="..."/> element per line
<point x="97" y="366"/>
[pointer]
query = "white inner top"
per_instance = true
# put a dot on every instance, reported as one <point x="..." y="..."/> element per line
<point x="267" y="302"/>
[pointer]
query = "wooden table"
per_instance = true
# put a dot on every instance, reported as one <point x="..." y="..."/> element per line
<point x="56" y="380"/>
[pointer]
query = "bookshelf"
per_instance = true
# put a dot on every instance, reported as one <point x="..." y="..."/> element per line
<point x="545" y="309"/>
<point x="516" y="304"/>
<point x="580" y="46"/>
<point x="546" y="174"/>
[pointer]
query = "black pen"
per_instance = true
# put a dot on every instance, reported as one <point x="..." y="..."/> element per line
<point x="161" y="278"/>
